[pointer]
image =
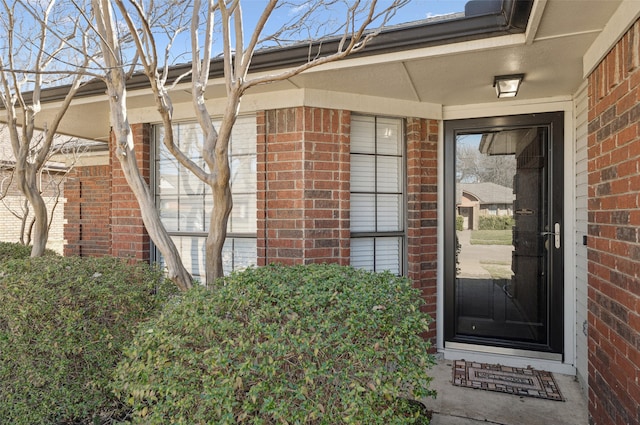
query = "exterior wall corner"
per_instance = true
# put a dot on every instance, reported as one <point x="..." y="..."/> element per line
<point x="613" y="236"/>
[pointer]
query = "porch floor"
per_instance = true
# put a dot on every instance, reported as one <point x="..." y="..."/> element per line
<point x="467" y="406"/>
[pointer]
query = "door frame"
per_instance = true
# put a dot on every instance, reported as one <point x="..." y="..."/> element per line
<point x="554" y="121"/>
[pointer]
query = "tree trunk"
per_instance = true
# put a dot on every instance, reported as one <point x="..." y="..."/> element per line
<point x="216" y="154"/>
<point x="40" y="234"/>
<point x="222" y="205"/>
<point x="23" y="223"/>
<point x="125" y="148"/>
<point x="28" y="186"/>
<point x="125" y="151"/>
<point x="150" y="217"/>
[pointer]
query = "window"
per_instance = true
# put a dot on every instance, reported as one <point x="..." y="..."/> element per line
<point x="377" y="194"/>
<point x="185" y="202"/>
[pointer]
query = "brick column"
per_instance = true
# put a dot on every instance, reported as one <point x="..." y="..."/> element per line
<point x="279" y="188"/>
<point x="422" y="213"/>
<point x="326" y="186"/>
<point x="129" y="238"/>
<point x="303" y="186"/>
<point x="614" y="244"/>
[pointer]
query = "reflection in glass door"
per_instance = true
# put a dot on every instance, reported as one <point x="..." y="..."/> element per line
<point x="504" y="213"/>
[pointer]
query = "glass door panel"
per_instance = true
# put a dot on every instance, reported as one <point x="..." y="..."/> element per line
<point x="501" y="289"/>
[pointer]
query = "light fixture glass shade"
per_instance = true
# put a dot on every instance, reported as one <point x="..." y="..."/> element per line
<point x="507" y="85"/>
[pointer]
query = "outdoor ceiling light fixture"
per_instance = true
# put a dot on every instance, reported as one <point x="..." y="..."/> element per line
<point x="507" y="85"/>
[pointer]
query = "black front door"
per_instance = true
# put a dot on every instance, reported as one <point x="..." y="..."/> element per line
<point x="503" y="226"/>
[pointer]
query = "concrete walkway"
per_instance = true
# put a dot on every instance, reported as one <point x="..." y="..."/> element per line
<point x="467" y="406"/>
<point x="472" y="256"/>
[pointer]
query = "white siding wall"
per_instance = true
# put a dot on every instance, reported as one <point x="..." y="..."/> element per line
<point x="581" y="114"/>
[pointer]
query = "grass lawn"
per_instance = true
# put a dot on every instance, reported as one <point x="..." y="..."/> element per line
<point x="498" y="269"/>
<point x="491" y="237"/>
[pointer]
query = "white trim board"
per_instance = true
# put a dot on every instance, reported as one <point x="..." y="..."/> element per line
<point x="621" y="20"/>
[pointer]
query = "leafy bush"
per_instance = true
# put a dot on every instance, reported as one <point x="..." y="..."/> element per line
<point x="63" y="323"/>
<point x="317" y="344"/>
<point x="10" y="250"/>
<point x="459" y="223"/>
<point x="495" y="222"/>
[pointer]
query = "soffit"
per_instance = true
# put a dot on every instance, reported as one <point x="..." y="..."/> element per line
<point x="456" y="74"/>
<point x="575" y="16"/>
<point x="552" y="68"/>
<point x="552" y="63"/>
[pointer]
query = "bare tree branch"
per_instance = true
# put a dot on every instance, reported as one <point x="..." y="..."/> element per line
<point x="125" y="150"/>
<point x="31" y="152"/>
<point x="148" y="21"/>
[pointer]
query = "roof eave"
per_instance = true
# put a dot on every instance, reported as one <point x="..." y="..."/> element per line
<point x="507" y="17"/>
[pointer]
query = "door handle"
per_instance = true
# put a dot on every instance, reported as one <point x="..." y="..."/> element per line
<point x="555" y="233"/>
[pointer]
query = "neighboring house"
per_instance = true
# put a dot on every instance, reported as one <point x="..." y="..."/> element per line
<point x="477" y="199"/>
<point x="355" y="163"/>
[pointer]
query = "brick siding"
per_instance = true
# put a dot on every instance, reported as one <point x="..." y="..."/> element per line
<point x="303" y="186"/>
<point x="103" y="216"/>
<point x="614" y="245"/>
<point x="129" y="238"/>
<point x="303" y="198"/>
<point x="88" y="192"/>
<point x="303" y="192"/>
<point x="422" y="213"/>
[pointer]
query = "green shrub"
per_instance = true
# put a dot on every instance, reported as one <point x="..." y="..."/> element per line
<point x="495" y="222"/>
<point x="459" y="223"/>
<point x="11" y="250"/>
<point x="63" y="323"/>
<point x="317" y="344"/>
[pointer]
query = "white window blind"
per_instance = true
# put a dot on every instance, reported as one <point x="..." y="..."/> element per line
<point x="185" y="202"/>
<point x="377" y="193"/>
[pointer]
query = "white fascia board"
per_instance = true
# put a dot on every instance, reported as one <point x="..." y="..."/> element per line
<point x="621" y="20"/>
<point x="426" y="52"/>
<point x="301" y="97"/>
<point x="372" y="104"/>
<point x="537" y="10"/>
<point x="216" y="106"/>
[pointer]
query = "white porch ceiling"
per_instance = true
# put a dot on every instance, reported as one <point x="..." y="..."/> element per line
<point x="552" y="63"/>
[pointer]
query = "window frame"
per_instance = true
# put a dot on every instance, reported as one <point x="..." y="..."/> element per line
<point x="400" y="234"/>
<point x="155" y="255"/>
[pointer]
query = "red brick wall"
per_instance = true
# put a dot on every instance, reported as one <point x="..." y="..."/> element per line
<point x="614" y="245"/>
<point x="303" y="192"/>
<point x="280" y="168"/>
<point x="129" y="238"/>
<point x="87" y="230"/>
<point x="303" y="207"/>
<point x="326" y="186"/>
<point x="303" y="186"/>
<point x="103" y="216"/>
<point x="422" y="198"/>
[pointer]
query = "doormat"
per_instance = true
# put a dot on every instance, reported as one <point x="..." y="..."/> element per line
<point x="511" y="380"/>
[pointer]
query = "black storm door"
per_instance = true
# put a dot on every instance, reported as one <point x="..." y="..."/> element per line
<point x="503" y="232"/>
